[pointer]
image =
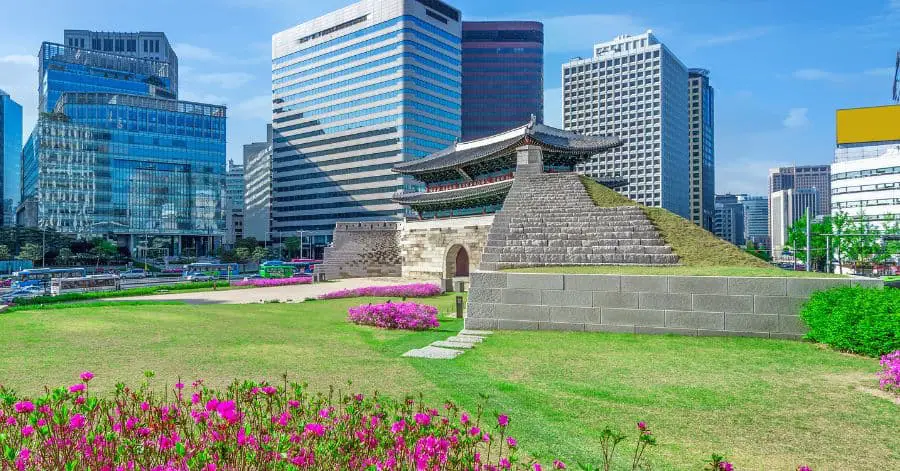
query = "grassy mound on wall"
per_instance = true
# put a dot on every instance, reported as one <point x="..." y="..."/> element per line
<point x="694" y="245"/>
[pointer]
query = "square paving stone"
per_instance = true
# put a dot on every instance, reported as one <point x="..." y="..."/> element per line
<point x="446" y="344"/>
<point x="436" y="353"/>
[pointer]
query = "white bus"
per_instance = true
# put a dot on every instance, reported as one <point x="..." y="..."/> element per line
<point x="84" y="284"/>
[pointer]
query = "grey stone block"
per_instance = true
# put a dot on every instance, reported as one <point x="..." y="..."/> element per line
<point x="723" y="303"/>
<point x="777" y="305"/>
<point x="561" y="326"/>
<point x="696" y="320"/>
<point x="566" y="298"/>
<point x="804" y="287"/>
<point x="751" y="322"/>
<point x="726" y="333"/>
<point x="449" y="344"/>
<point x="783" y="336"/>
<point x="575" y="314"/>
<point x="872" y="283"/>
<point x="488" y="279"/>
<point x="760" y="286"/>
<point x="484" y="295"/>
<point x="679" y="301"/>
<point x="664" y="331"/>
<point x="477" y="323"/>
<point x="644" y="284"/>
<point x="592" y="282"/>
<point x="621" y="300"/>
<point x="622" y="329"/>
<point x="434" y="353"/>
<point x="698" y="284"/>
<point x="534" y="281"/>
<point x="520" y="296"/>
<point x="518" y="325"/>
<point x="791" y="325"/>
<point x="522" y="313"/>
<point x="480" y="310"/>
<point x="642" y="317"/>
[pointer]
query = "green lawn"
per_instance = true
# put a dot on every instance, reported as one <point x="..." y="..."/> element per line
<point x="767" y="404"/>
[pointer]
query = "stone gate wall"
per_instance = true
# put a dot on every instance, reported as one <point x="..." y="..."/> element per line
<point x="363" y="249"/>
<point x="424" y="244"/>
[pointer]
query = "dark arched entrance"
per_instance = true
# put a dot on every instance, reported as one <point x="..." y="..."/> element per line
<point x="462" y="262"/>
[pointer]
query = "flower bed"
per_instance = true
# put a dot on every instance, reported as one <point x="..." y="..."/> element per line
<point x="889" y="376"/>
<point x="405" y="315"/>
<point x="413" y="290"/>
<point x="268" y="282"/>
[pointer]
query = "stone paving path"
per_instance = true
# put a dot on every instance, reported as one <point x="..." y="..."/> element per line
<point x="452" y="347"/>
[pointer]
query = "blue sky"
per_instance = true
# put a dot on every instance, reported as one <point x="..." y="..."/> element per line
<point x="780" y="68"/>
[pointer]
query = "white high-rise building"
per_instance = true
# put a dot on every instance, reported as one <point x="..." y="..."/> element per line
<point x="785" y="208"/>
<point x="635" y="88"/>
<point x="868" y="186"/>
<point x="354" y="93"/>
<point x="258" y="188"/>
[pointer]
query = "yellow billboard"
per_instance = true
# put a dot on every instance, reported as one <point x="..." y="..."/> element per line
<point x="874" y="124"/>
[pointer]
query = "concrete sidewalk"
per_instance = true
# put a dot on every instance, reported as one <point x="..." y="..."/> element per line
<point x="280" y="293"/>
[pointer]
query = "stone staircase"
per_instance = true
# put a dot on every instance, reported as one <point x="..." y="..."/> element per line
<point x="549" y="219"/>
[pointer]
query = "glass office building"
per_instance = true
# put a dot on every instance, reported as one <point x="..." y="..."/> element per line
<point x="502" y="76"/>
<point x="115" y="155"/>
<point x="10" y="150"/>
<point x="703" y="159"/>
<point x="356" y="92"/>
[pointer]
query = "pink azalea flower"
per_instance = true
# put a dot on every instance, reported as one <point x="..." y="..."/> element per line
<point x="511" y="442"/>
<point x="24" y="407"/>
<point x="76" y="422"/>
<point x="502" y="420"/>
<point x="537" y="467"/>
<point x="87" y="376"/>
<point x="464" y="418"/>
<point x="423" y="419"/>
<point x="76" y="388"/>
<point x="315" y="429"/>
<point x="557" y="464"/>
<point x="27" y="431"/>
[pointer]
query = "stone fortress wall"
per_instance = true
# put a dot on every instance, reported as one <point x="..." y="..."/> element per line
<point x="363" y="249"/>
<point x="646" y="304"/>
<point x="429" y="248"/>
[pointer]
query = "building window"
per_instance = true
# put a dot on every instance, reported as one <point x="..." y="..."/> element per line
<point x="145" y="45"/>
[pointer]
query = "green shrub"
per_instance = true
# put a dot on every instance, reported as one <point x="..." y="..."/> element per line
<point x="858" y="320"/>
<point x="142" y="291"/>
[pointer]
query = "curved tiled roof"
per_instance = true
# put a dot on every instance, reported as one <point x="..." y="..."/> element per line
<point x="554" y="139"/>
<point x="457" y="194"/>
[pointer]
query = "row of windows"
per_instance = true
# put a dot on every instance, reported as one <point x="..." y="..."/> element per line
<point x="867" y="203"/>
<point x="337" y="150"/>
<point x="338" y="204"/>
<point x="337" y="194"/>
<point x="470" y="50"/>
<point x="337" y="184"/>
<point x="356" y="34"/>
<point x="338" y="52"/>
<point x="332" y="173"/>
<point x="429" y="132"/>
<point x="341" y="106"/>
<point x="333" y="97"/>
<point x="424" y="143"/>
<point x="342" y="117"/>
<point x="350" y="137"/>
<point x="336" y="85"/>
<point x="865" y="173"/>
<point x="338" y="216"/>
<point x="862" y="188"/>
<point x="369" y="88"/>
<point x="481" y="60"/>
<point x="343" y="160"/>
<point x="341" y="128"/>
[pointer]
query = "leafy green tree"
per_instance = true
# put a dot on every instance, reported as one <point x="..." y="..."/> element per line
<point x="65" y="256"/>
<point x="292" y="246"/>
<point x="31" y="252"/>
<point x="260" y="254"/>
<point x="4" y="252"/>
<point x="249" y="243"/>
<point x="104" y="249"/>
<point x="757" y="251"/>
<point x="242" y="254"/>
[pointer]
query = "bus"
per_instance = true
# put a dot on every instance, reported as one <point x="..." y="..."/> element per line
<point x="275" y="269"/>
<point x="305" y="265"/>
<point x="84" y="284"/>
<point x="215" y="270"/>
<point x="43" y="276"/>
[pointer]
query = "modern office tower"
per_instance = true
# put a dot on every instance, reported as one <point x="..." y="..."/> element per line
<point x="502" y="76"/>
<point x="865" y="175"/>
<point x="756" y="219"/>
<point x="702" y="141"/>
<point x="785" y="208"/>
<point x="234" y="203"/>
<point x="115" y="157"/>
<point x="258" y="188"/>
<point x="804" y="176"/>
<point x="69" y="69"/>
<point x="634" y="87"/>
<point x="729" y="219"/>
<point x="143" y="44"/>
<point x="354" y="93"/>
<point x="10" y="157"/>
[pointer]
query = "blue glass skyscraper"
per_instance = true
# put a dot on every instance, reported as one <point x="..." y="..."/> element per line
<point x="10" y="148"/>
<point x="113" y="153"/>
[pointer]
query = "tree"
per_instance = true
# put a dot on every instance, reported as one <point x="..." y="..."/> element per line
<point x="65" y="255"/>
<point x="103" y="249"/>
<point x="241" y="254"/>
<point x="248" y="243"/>
<point x="4" y="252"/>
<point x="260" y="254"/>
<point x="31" y="252"/>
<point x="758" y="252"/>
<point x="292" y="245"/>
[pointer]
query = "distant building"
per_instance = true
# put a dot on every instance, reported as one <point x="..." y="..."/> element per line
<point x="785" y="208"/>
<point x="234" y="203"/>
<point x="634" y="87"/>
<point x="865" y="176"/>
<point x="355" y="92"/>
<point x="502" y="76"/>
<point x="143" y="44"/>
<point x="729" y="219"/>
<point x="702" y="141"/>
<point x="756" y="219"/>
<point x="258" y="188"/>
<point x="804" y="176"/>
<point x="10" y="157"/>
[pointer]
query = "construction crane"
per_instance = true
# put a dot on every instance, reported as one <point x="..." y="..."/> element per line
<point x="897" y="79"/>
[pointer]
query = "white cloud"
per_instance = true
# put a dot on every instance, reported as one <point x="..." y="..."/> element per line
<point x="189" y="51"/>
<point x="19" y="59"/>
<point x="796" y="118"/>
<point x="580" y="32"/>
<point x="735" y="36"/>
<point x="255" y="108"/>
<point x="553" y="107"/>
<point x="880" y="71"/>
<point x="818" y="75"/>
<point x="209" y="98"/>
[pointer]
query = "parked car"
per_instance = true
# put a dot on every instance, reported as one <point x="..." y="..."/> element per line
<point x="26" y="292"/>
<point x="134" y="274"/>
<point x="198" y="277"/>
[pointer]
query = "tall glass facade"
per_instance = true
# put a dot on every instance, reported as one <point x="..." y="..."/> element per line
<point x="503" y="76"/>
<point x="10" y="150"/>
<point x="702" y="141"/>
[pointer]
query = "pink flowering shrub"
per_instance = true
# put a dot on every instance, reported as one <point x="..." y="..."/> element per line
<point x="268" y="282"/>
<point x="414" y="290"/>
<point x="249" y="426"/>
<point x="889" y="376"/>
<point x="405" y="315"/>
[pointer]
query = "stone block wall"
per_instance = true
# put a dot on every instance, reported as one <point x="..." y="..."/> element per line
<point x="426" y="245"/>
<point x="364" y="249"/>
<point x="649" y="304"/>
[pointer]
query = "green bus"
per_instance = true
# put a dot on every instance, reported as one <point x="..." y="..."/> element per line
<point x="276" y="269"/>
